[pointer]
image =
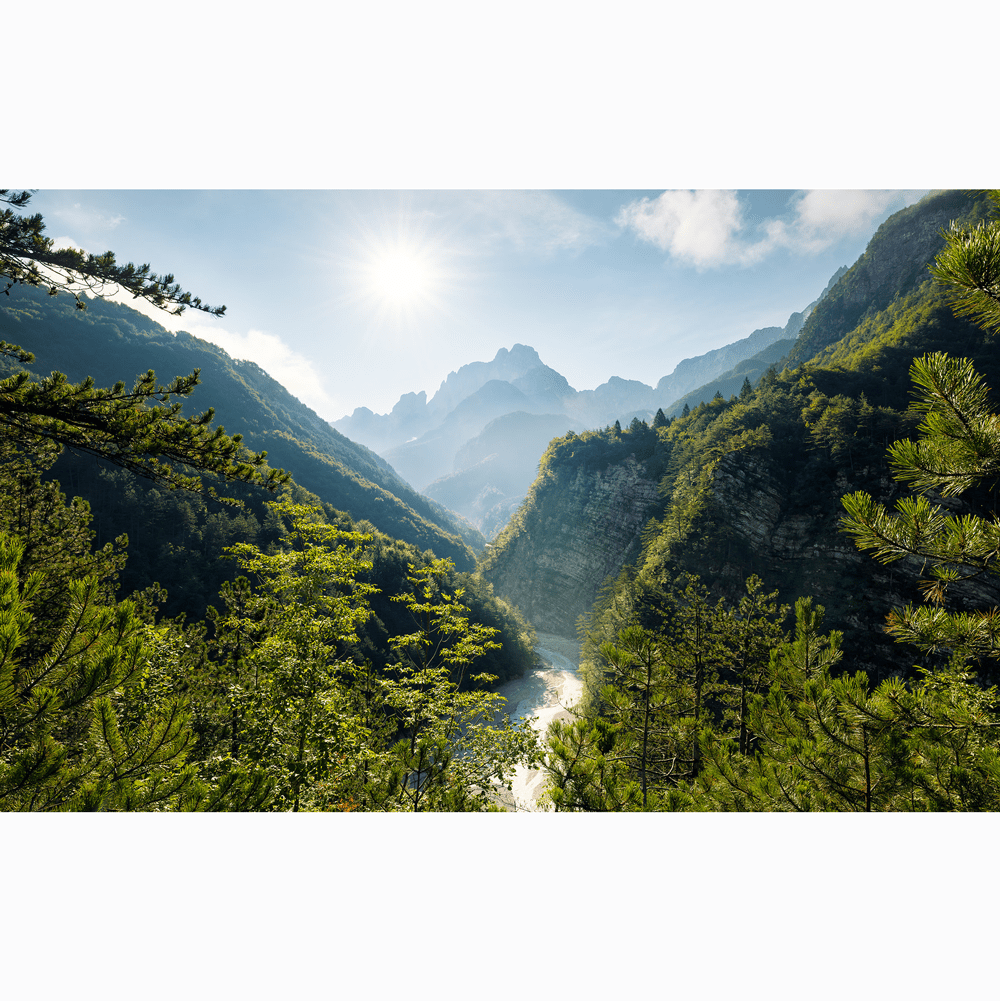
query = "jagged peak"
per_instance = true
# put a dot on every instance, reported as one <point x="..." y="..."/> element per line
<point x="410" y="402"/>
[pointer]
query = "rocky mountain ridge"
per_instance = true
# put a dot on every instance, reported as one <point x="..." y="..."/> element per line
<point x="426" y="441"/>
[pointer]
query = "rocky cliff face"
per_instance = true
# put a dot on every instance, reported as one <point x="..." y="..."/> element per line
<point x="577" y="528"/>
<point x="794" y="542"/>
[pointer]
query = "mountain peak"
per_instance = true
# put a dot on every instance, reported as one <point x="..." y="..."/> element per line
<point x="520" y="354"/>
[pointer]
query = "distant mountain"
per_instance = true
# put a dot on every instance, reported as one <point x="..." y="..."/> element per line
<point x="520" y="399"/>
<point x="749" y="365"/>
<point x="112" y="342"/>
<point x="496" y="467"/>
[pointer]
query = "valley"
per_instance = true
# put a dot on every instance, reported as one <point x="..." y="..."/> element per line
<point x="687" y="565"/>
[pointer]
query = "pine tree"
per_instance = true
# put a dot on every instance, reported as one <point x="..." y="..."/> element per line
<point x="660" y="420"/>
<point x="72" y="734"/>
<point x="141" y="429"/>
<point x="28" y="257"/>
<point x="958" y="448"/>
<point x="969" y="267"/>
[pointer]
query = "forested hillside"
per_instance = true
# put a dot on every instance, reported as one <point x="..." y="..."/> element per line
<point x="785" y="595"/>
<point x="111" y="342"/>
<point x="193" y="630"/>
<point x="741" y="498"/>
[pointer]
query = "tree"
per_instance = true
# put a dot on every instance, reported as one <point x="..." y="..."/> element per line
<point x="660" y="420"/>
<point x="27" y="257"/>
<point x="287" y="705"/>
<point x="451" y="750"/>
<point x="754" y="631"/>
<point x="958" y="448"/>
<point x="746" y="390"/>
<point x="141" y="429"/>
<point x="331" y="733"/>
<point x="73" y="734"/>
<point x="970" y="267"/>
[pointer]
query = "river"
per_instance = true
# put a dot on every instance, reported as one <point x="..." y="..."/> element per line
<point x="546" y="693"/>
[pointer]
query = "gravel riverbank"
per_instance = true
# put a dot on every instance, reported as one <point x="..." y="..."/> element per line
<point x="545" y="693"/>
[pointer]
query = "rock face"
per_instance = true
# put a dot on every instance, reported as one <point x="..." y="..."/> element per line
<point x="577" y="528"/>
<point x="795" y="544"/>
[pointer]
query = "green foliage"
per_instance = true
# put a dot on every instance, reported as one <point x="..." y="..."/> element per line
<point x="64" y="742"/>
<point x="330" y="733"/>
<point x="28" y="257"/>
<point x="660" y="690"/>
<point x="970" y="266"/>
<point x="957" y="448"/>
<point x="777" y="728"/>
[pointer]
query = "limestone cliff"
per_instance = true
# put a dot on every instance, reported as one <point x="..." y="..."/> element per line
<point x="576" y="528"/>
<point x="792" y="539"/>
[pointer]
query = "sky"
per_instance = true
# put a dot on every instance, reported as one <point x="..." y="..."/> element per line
<point x="352" y="298"/>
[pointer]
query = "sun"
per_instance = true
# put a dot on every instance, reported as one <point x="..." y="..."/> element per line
<point x="395" y="269"/>
<point x="400" y="278"/>
<point x="401" y="275"/>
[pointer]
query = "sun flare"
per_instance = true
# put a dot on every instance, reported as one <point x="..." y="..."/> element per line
<point x="400" y="277"/>
<point x="396" y="273"/>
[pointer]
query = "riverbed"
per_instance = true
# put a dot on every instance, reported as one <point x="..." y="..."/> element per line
<point x="546" y="693"/>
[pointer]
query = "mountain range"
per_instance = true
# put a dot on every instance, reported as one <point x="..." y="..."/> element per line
<point x="474" y="445"/>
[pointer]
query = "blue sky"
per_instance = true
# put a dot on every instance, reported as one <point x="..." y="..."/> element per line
<point x="351" y="298"/>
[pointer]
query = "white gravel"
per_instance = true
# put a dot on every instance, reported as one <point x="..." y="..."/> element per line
<point x="544" y="693"/>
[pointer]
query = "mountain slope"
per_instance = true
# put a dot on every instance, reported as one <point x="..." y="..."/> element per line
<point x="112" y="342"/>
<point x="754" y="485"/>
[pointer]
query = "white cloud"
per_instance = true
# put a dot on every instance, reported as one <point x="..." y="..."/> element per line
<point x="708" y="229"/>
<point x="294" y="371"/>
<point x="699" y="227"/>
<point x="65" y="243"/>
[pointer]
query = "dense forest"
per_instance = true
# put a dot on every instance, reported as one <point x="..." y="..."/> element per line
<point x="788" y="599"/>
<point x="195" y="629"/>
